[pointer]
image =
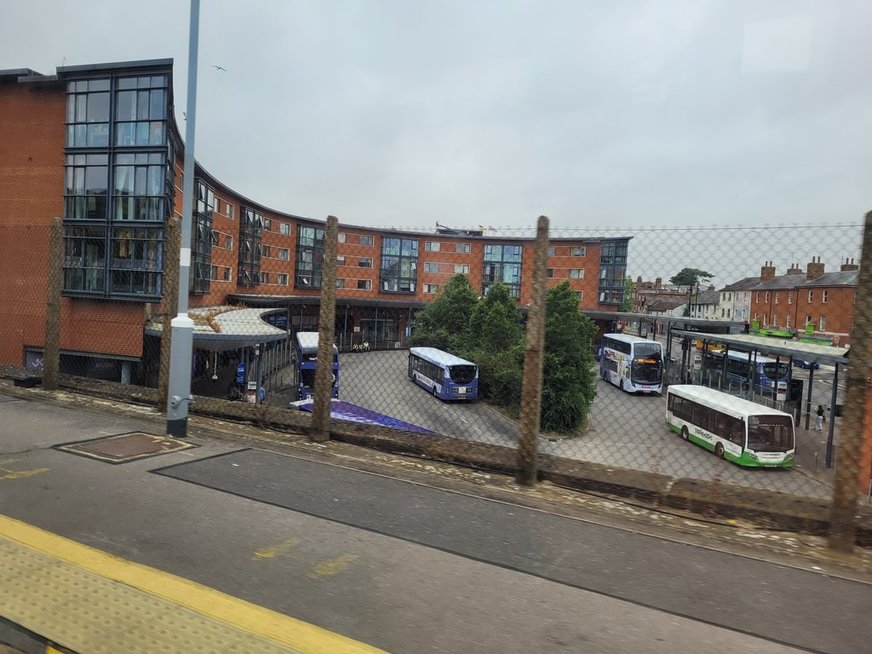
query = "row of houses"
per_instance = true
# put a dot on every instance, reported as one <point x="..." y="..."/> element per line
<point x="800" y="300"/>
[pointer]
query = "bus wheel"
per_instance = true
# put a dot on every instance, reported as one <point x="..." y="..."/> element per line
<point x="719" y="450"/>
<point x="684" y="433"/>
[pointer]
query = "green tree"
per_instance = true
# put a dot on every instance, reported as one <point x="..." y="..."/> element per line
<point x="495" y="341"/>
<point x="569" y="377"/>
<point x="690" y="277"/>
<point x="444" y="322"/>
<point x="628" y="295"/>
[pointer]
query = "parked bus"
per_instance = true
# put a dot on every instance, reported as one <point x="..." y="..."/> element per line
<point x="306" y="358"/>
<point x="754" y="370"/>
<point x="632" y="363"/>
<point x="735" y="429"/>
<point x="446" y="376"/>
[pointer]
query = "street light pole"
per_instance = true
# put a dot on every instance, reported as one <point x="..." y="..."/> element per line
<point x="179" y="392"/>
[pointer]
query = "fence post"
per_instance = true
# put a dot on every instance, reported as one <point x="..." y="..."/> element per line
<point x="531" y="392"/>
<point x="846" y="489"/>
<point x="326" y="327"/>
<point x="51" y="352"/>
<point x="168" y="306"/>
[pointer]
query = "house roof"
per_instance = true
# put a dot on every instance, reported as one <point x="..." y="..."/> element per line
<point x="841" y="278"/>
<point x="742" y="284"/>
<point x="708" y="297"/>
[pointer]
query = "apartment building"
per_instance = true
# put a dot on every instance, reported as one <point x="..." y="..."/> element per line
<point x="98" y="145"/>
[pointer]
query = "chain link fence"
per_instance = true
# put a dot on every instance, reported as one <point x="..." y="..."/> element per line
<point x="258" y="303"/>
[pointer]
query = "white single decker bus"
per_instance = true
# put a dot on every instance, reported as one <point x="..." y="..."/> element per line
<point x="633" y="363"/>
<point x="447" y="376"/>
<point x="735" y="429"/>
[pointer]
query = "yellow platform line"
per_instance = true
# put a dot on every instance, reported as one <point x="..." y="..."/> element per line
<point x="242" y="615"/>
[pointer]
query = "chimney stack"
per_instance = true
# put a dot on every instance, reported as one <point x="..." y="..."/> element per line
<point x="767" y="272"/>
<point x="794" y="269"/>
<point x="850" y="266"/>
<point x="815" y="269"/>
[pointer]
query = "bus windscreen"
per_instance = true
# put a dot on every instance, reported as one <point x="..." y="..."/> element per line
<point x="646" y="350"/>
<point x="462" y="374"/>
<point x="770" y="433"/>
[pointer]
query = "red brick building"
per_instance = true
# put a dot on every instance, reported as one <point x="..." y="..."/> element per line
<point x="98" y="145"/>
<point x="814" y="297"/>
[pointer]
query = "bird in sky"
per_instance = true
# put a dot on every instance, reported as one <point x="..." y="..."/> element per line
<point x="219" y="68"/>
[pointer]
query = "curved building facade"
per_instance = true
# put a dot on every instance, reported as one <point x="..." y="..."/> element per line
<point x="98" y="145"/>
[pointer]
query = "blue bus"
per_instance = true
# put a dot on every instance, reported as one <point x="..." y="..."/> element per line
<point x="446" y="376"/>
<point x="306" y="358"/>
<point x="762" y="374"/>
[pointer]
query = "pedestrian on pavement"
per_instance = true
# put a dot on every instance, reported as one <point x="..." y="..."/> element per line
<point x="819" y="420"/>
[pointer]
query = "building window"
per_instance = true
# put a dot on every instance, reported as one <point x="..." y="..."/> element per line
<point x="228" y="210"/>
<point x="613" y="270"/>
<point x="267" y="224"/>
<point x="310" y="253"/>
<point x="552" y="251"/>
<point x="576" y="273"/>
<point x="87" y="183"/>
<point x="213" y="273"/>
<point x="366" y="240"/>
<point x="284" y="254"/>
<point x="215" y="238"/>
<point x="228" y="242"/>
<point x="431" y="267"/>
<point x="340" y="259"/>
<point x="364" y="262"/>
<point x="766" y="295"/>
<point x="284" y="229"/>
<point x="282" y="279"/>
<point x="399" y="265"/>
<point x="125" y="195"/>
<point x="136" y="263"/>
<point x="264" y="277"/>
<point x="809" y="320"/>
<point x="550" y="272"/>
<point x="502" y="265"/>
<point x="777" y="297"/>
<point x="810" y="297"/>
<point x="824" y="296"/>
<point x="364" y="284"/>
<point x="201" y="235"/>
<point x="228" y="274"/>
<point x="462" y="248"/>
<point x="265" y="251"/>
<point x="431" y="246"/>
<point x="789" y="297"/>
<point x="340" y="283"/>
<point x="340" y="237"/>
<point x="431" y="289"/>
<point x="578" y="251"/>
<point x="822" y="323"/>
<point x="88" y="114"/>
<point x="579" y="295"/>
<point x="461" y="269"/>
<point x="250" y="242"/>
<point x="141" y="110"/>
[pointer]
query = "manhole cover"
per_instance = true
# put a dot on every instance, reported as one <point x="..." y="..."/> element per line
<point x="126" y="447"/>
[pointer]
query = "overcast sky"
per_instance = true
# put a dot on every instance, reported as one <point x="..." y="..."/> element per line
<point x="623" y="114"/>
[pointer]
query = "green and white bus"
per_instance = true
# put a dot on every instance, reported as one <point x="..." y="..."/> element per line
<point x="735" y="429"/>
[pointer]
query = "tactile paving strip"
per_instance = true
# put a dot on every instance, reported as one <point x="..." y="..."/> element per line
<point x="87" y="613"/>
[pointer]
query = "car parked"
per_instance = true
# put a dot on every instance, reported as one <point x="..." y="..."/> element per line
<point x="805" y="363"/>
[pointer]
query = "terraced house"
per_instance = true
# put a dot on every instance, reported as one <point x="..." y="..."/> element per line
<point x="98" y="145"/>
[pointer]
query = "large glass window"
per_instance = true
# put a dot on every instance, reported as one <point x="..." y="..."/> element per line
<point x="141" y="110"/>
<point x="88" y="114"/>
<point x="126" y="196"/>
<point x="137" y="261"/>
<point x="399" y="265"/>
<point x="613" y="270"/>
<point x="202" y="237"/>
<point x="138" y="191"/>
<point x="84" y="261"/>
<point x="87" y="181"/>
<point x="502" y="265"/>
<point x="250" y="241"/>
<point x="310" y="253"/>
